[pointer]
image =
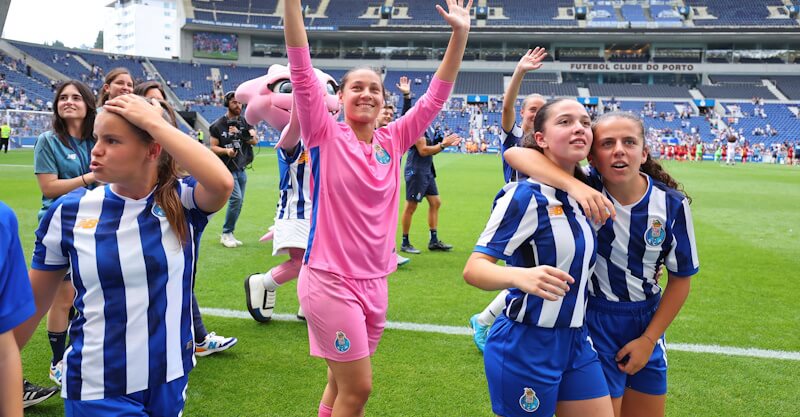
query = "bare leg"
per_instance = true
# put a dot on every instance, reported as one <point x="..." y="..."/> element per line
<point x="639" y="404"/>
<point x="353" y="385"/>
<point x="596" y="407"/>
<point x="434" y="203"/>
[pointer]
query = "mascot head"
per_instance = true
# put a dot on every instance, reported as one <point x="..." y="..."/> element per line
<point x="269" y="97"/>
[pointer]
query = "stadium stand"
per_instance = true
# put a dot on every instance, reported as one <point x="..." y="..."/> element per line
<point x="739" y="13"/>
<point x="741" y="91"/>
<point x="638" y="90"/>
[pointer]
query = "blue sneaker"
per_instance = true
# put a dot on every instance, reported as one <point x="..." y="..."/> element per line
<point x="479" y="332"/>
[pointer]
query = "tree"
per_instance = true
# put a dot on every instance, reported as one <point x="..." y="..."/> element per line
<point x="58" y="44"/>
<point x="98" y="44"/>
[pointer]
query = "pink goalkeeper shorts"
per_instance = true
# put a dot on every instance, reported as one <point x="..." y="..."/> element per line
<point x="345" y="317"/>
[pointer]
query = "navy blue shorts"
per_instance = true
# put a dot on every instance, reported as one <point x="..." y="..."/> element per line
<point x="165" y="400"/>
<point x="419" y="186"/>
<point x="612" y="325"/>
<point x="529" y="368"/>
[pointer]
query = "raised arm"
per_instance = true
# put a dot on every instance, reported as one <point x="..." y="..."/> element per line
<point x="405" y="88"/>
<point x="457" y="16"/>
<point x="294" y="30"/>
<point x="531" y="61"/>
<point x="214" y="182"/>
<point x="537" y="166"/>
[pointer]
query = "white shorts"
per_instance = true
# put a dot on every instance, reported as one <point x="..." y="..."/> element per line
<point x="291" y="233"/>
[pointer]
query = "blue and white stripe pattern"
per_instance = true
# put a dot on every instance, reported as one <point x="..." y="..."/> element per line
<point x="509" y="140"/>
<point x="133" y="283"/>
<point x="295" y="185"/>
<point x="654" y="231"/>
<point x="533" y="224"/>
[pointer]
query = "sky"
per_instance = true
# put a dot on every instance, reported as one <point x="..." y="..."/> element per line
<point x="73" y="22"/>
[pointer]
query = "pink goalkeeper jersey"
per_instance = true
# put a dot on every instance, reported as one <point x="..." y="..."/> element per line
<point x="355" y="185"/>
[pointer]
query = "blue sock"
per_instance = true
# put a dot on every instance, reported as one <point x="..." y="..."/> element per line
<point x="58" y="343"/>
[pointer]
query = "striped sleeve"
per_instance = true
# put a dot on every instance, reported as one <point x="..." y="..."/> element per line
<point x="682" y="259"/>
<point x="513" y="221"/>
<point x="186" y="190"/>
<point x="48" y="253"/>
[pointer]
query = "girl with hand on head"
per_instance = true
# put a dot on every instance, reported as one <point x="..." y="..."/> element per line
<point x="342" y="285"/>
<point x="61" y="160"/>
<point x="132" y="247"/>
<point x="538" y="356"/>
<point x="627" y="311"/>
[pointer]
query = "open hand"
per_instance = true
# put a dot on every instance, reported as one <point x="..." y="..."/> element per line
<point x="532" y="60"/>
<point x="140" y="112"/>
<point x="451" y="140"/>
<point x="404" y="85"/>
<point x="596" y="206"/>
<point x="457" y="15"/>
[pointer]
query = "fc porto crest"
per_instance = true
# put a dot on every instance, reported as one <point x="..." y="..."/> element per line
<point x="381" y="155"/>
<point x="655" y="234"/>
<point x="528" y="400"/>
<point x="158" y="211"/>
<point x="341" y="343"/>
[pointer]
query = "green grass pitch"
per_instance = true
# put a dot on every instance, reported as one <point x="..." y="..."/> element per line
<point x="747" y="222"/>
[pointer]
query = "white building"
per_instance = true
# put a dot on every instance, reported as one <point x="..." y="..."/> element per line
<point x="144" y="27"/>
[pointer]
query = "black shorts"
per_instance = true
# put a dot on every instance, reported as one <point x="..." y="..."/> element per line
<point x="419" y="186"/>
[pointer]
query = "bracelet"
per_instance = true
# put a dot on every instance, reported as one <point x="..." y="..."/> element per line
<point x="442" y="145"/>
<point x="648" y="338"/>
<point x="84" y="180"/>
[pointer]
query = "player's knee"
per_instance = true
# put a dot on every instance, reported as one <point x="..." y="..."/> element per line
<point x="357" y="391"/>
<point x="435" y="202"/>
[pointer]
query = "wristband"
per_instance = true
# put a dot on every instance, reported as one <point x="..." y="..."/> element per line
<point x="648" y="338"/>
<point x="442" y="145"/>
<point x="84" y="180"/>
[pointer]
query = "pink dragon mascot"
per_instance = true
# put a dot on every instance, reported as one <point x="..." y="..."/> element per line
<point x="269" y="99"/>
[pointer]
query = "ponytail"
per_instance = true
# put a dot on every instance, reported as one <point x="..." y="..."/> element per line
<point x="654" y="169"/>
<point x="167" y="197"/>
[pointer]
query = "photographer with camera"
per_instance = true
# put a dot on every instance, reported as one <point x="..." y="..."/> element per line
<point x="232" y="139"/>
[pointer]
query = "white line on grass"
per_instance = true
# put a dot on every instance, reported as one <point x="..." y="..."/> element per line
<point x="15" y="166"/>
<point x="465" y="331"/>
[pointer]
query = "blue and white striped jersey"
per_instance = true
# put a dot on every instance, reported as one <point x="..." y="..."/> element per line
<point x="133" y="283"/>
<point x="656" y="230"/>
<point x="533" y="224"/>
<point x="295" y="184"/>
<point x="509" y="140"/>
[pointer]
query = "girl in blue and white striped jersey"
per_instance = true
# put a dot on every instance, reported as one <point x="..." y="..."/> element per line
<point x="131" y="246"/>
<point x="627" y="314"/>
<point x="538" y="357"/>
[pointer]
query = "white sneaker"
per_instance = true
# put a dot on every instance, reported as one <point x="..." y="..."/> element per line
<point x="228" y="240"/>
<point x="213" y="344"/>
<point x="402" y="260"/>
<point x="260" y="302"/>
<point x="300" y="314"/>
<point x="56" y="371"/>
<point x="238" y="242"/>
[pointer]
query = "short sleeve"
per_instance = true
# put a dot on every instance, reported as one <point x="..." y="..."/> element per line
<point x="16" y="296"/>
<point x="48" y="253"/>
<point x="513" y="220"/>
<point x="44" y="159"/>
<point x="682" y="259"/>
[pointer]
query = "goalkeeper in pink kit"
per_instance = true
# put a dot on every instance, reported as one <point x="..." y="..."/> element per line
<point x="356" y="177"/>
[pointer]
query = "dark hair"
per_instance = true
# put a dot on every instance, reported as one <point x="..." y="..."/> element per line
<point x="59" y="125"/>
<point x="141" y="89"/>
<point x="110" y="77"/>
<point x="166" y="194"/>
<point x="346" y="76"/>
<point x="529" y="141"/>
<point x="650" y="166"/>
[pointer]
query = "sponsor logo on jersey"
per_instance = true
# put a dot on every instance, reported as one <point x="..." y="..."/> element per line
<point x="381" y="155"/>
<point x="528" y="401"/>
<point x="88" y="223"/>
<point x="556" y="211"/>
<point x="303" y="158"/>
<point x="341" y="343"/>
<point x="656" y="234"/>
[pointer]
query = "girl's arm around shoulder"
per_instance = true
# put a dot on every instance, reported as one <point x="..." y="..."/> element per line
<point x="537" y="166"/>
<point x="44" y="285"/>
